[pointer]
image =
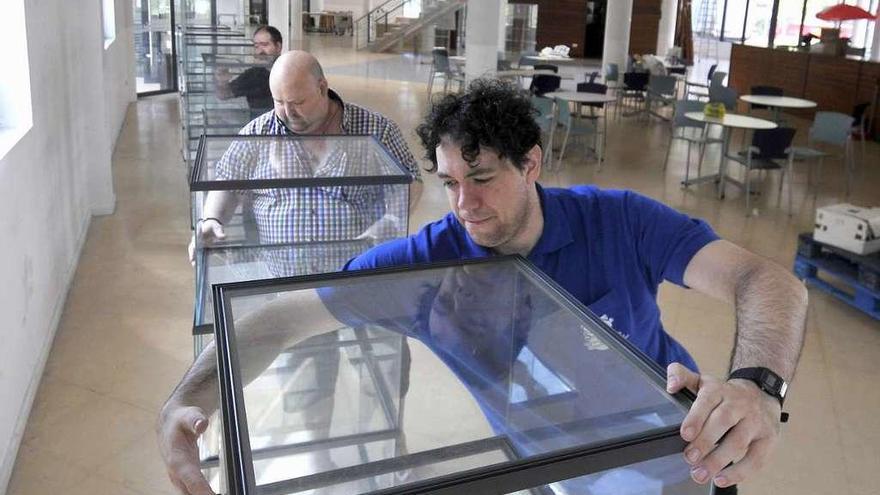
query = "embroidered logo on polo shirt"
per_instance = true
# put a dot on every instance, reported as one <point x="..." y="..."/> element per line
<point x="610" y="322"/>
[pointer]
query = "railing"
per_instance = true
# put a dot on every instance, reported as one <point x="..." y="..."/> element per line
<point x="369" y="27"/>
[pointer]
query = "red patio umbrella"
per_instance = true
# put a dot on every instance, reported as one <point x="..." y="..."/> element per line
<point x="844" y="12"/>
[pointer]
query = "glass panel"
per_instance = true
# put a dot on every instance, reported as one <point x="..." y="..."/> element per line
<point x="154" y="58"/>
<point x="733" y="21"/>
<point x="662" y="476"/>
<point x="862" y="30"/>
<point x="503" y="368"/>
<point x="236" y="264"/>
<point x="788" y="22"/>
<point x="521" y="28"/>
<point x="758" y="22"/>
<point x="255" y="158"/>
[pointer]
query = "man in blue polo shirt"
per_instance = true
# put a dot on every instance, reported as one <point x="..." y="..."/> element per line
<point x="611" y="250"/>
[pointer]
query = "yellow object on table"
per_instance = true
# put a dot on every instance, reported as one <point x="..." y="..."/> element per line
<point x="714" y="110"/>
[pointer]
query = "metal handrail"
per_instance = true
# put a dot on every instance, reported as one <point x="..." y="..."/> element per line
<point x="379" y="15"/>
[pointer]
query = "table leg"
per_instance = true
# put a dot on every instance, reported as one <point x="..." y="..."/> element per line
<point x="722" y="165"/>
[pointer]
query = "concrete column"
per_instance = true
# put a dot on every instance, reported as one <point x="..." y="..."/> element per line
<point x="666" y="30"/>
<point x="482" y="37"/>
<point x="502" y="25"/>
<point x="295" y="28"/>
<point x="617" y="23"/>
<point x="279" y="16"/>
<point x="875" y="45"/>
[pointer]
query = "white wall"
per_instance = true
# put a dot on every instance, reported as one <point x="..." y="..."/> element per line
<point x="51" y="182"/>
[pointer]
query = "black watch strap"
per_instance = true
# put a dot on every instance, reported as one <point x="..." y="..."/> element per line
<point x="771" y="383"/>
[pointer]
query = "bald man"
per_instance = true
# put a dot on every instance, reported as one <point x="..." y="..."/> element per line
<point x="303" y="224"/>
<point x="304" y="104"/>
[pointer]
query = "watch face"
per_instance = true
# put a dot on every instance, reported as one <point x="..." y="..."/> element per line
<point x="771" y="381"/>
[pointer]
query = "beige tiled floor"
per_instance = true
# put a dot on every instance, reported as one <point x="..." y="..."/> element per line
<point x="123" y="341"/>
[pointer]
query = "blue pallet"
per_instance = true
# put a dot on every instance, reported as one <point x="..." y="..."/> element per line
<point x="860" y="297"/>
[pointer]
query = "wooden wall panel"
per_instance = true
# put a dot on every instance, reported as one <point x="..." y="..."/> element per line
<point x="749" y="66"/>
<point x="561" y="22"/>
<point x="788" y="70"/>
<point x="644" y="27"/>
<point x="832" y="82"/>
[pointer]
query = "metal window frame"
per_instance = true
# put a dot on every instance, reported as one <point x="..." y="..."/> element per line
<point x="508" y="477"/>
<point x="404" y="177"/>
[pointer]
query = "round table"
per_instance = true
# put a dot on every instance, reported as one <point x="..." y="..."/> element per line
<point x="729" y="121"/>
<point x="583" y="97"/>
<point x="530" y="73"/>
<point x="777" y="102"/>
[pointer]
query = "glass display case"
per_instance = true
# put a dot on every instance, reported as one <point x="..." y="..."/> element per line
<point x="236" y="263"/>
<point x="207" y="105"/>
<point x="291" y="205"/>
<point x="512" y="386"/>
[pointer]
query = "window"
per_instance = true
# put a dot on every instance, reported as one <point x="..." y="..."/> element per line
<point x="788" y="22"/>
<point x="109" y="21"/>
<point x="15" y="80"/>
<point x="757" y="31"/>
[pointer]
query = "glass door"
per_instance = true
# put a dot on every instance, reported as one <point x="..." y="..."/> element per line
<point x="154" y="46"/>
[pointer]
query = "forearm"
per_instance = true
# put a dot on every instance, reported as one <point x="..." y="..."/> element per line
<point x="220" y="205"/>
<point x="261" y="337"/>
<point x="415" y="193"/>
<point x="771" y="310"/>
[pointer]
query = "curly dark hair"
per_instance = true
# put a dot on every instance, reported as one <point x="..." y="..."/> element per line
<point x="492" y="113"/>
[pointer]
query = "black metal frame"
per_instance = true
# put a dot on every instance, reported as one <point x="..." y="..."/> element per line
<point x="405" y="177"/>
<point x="499" y="478"/>
<point x="202" y="279"/>
<point x="392" y="414"/>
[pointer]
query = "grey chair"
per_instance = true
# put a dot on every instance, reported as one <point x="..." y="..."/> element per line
<point x="725" y="95"/>
<point x="690" y="131"/>
<point x="660" y="90"/>
<point x="593" y="87"/>
<point x="547" y="122"/>
<point x="574" y="127"/>
<point x="769" y="147"/>
<point x="611" y="78"/>
<point x="716" y="79"/>
<point x="442" y="68"/>
<point x="829" y="129"/>
<point x="697" y="88"/>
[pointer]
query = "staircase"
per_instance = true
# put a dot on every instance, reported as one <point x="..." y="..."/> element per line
<point x="385" y="27"/>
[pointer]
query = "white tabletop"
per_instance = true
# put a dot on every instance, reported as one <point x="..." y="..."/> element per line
<point x="530" y="73"/>
<point x="778" y="101"/>
<point x="581" y="97"/>
<point x="733" y="120"/>
<point x="549" y="58"/>
<point x="457" y="58"/>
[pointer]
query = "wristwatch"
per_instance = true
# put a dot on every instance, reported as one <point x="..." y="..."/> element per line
<point x="768" y="381"/>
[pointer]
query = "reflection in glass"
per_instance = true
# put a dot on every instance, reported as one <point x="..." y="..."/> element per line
<point x="152" y="46"/>
<point x="504" y="369"/>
